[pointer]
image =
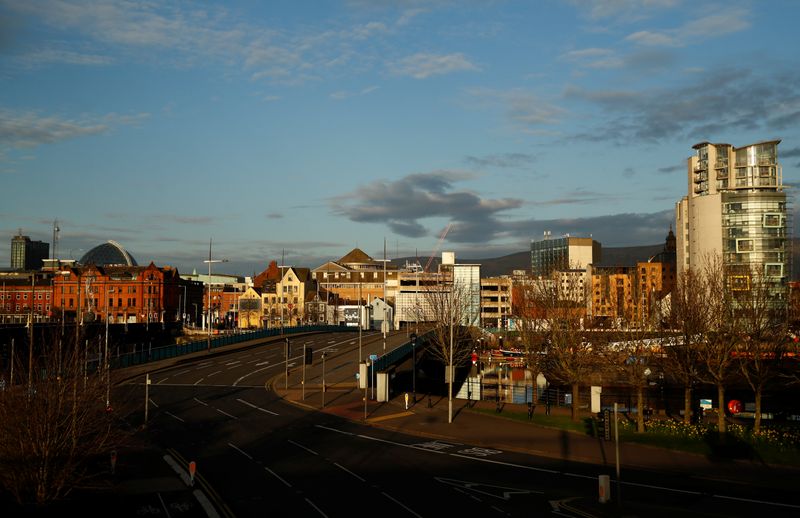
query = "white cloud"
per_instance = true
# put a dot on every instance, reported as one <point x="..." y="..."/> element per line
<point x="423" y="65"/>
<point x="696" y="30"/>
<point x="30" y="129"/>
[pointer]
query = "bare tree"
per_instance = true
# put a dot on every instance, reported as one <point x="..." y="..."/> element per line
<point x="689" y="315"/>
<point x="717" y="346"/>
<point x="449" y="306"/>
<point x="630" y="358"/>
<point x="52" y="434"/>
<point x="556" y="310"/>
<point x="530" y="325"/>
<point x="764" y="330"/>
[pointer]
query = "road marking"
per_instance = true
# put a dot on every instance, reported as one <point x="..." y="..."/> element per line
<point x="661" y="488"/>
<point x="175" y="417"/>
<point x="398" y="502"/>
<point x="183" y="372"/>
<point x="316" y="508"/>
<point x="213" y="374"/>
<point x="750" y="500"/>
<point x="501" y="492"/>
<point x="201" y="402"/>
<point x="348" y="471"/>
<point x="251" y="405"/>
<point x="261" y="363"/>
<point x="199" y="381"/>
<point x="511" y="464"/>
<point x="334" y="430"/>
<point x="249" y="457"/>
<point x="301" y="446"/>
<point x="226" y="413"/>
<point x="250" y="373"/>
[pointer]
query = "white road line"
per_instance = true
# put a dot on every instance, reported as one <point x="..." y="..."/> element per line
<point x="750" y="500"/>
<point x="201" y="402"/>
<point x="199" y="381"/>
<point x="513" y="465"/>
<point x="235" y="362"/>
<point x="159" y="382"/>
<point x="262" y="363"/>
<point x="250" y="373"/>
<point x="226" y="413"/>
<point x="163" y="505"/>
<point x="213" y="374"/>
<point x="398" y="502"/>
<point x="578" y="475"/>
<point x="333" y="430"/>
<point x="316" y="508"/>
<point x="348" y="471"/>
<point x="175" y="417"/>
<point x="251" y="405"/>
<point x="301" y="446"/>
<point x="183" y="372"/>
<point x="660" y="487"/>
<point x="250" y="457"/>
<point x="153" y="403"/>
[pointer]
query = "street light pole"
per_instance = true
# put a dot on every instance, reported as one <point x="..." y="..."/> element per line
<point x="208" y="318"/>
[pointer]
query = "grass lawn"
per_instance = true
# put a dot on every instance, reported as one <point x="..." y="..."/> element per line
<point x="672" y="435"/>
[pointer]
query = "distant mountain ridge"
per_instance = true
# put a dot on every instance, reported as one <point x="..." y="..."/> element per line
<point x="505" y="265"/>
<point x="610" y="256"/>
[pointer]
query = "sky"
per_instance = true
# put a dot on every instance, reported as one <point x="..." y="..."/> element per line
<point x="296" y="131"/>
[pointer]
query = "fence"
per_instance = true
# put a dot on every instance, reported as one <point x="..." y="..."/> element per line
<point x="152" y="354"/>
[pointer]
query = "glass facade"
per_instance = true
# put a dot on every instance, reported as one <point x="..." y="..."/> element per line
<point x="549" y="255"/>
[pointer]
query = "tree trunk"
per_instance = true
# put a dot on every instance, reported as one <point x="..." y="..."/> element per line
<point x="757" y="419"/>
<point x="721" y="409"/>
<point x="575" y="392"/>
<point x="640" y="409"/>
<point x="687" y="404"/>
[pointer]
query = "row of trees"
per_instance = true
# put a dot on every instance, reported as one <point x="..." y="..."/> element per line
<point x="713" y="329"/>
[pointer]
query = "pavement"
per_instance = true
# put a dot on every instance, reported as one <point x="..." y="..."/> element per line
<point x="480" y="424"/>
<point x="148" y="481"/>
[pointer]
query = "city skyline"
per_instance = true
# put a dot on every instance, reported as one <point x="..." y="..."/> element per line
<point x="290" y="133"/>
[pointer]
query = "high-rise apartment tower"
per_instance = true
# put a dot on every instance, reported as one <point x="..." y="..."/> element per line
<point x="736" y="211"/>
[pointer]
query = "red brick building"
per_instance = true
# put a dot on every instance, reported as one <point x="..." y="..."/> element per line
<point x="133" y="294"/>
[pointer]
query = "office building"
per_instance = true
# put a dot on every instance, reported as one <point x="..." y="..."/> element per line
<point x="563" y="253"/>
<point x="27" y="254"/>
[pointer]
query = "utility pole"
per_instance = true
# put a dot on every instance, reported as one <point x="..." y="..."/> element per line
<point x="384" y="323"/>
<point x="208" y="319"/>
<point x="30" y="345"/>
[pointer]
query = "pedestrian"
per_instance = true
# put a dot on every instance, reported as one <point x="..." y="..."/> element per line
<point x="530" y="410"/>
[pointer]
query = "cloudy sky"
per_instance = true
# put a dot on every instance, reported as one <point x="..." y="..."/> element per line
<point x="296" y="131"/>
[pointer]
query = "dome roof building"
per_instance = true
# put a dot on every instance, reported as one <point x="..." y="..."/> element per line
<point x="109" y="253"/>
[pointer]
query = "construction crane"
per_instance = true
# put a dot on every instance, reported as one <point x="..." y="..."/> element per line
<point x="436" y="248"/>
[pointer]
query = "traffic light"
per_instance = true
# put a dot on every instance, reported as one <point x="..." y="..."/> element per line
<point x="309" y="356"/>
<point x="413" y="340"/>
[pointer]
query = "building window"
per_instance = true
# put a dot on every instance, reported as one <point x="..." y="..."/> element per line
<point x="744" y="245"/>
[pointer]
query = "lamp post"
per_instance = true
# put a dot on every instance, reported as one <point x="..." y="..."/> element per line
<point x="208" y="319"/>
<point x="323" y="380"/>
<point x="105" y="352"/>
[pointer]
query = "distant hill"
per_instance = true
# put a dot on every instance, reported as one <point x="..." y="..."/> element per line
<point x="610" y="256"/>
<point x="505" y="265"/>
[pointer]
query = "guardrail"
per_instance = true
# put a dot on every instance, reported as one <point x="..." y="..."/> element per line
<point x="173" y="350"/>
<point x="383" y="362"/>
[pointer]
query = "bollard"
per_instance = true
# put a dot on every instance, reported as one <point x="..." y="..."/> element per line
<point x="604" y="488"/>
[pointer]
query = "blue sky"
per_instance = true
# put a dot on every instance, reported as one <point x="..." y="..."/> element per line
<point x="302" y="129"/>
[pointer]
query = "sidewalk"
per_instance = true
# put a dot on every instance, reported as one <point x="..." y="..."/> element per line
<point x="481" y="425"/>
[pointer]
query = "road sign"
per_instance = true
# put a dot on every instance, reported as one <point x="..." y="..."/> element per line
<point x="373" y="357"/>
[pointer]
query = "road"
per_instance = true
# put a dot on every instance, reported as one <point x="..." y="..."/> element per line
<point x="258" y="455"/>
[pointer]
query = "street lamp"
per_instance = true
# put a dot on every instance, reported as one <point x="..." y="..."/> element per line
<point x="208" y="319"/>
